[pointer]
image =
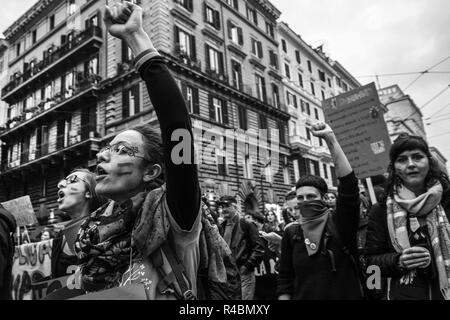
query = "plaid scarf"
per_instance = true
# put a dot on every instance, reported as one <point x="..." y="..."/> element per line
<point x="427" y="204"/>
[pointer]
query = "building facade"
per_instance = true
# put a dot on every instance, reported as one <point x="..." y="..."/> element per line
<point x="403" y="115"/>
<point x="309" y="77"/>
<point x="71" y="88"/>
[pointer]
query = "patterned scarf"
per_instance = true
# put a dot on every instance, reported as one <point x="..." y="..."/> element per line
<point x="427" y="204"/>
<point x="103" y="244"/>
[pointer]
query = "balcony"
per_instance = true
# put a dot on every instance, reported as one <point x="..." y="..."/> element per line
<point x="301" y="143"/>
<point x="187" y="60"/>
<point x="80" y="47"/>
<point x="217" y="76"/>
<point x="77" y="142"/>
<point x="83" y="90"/>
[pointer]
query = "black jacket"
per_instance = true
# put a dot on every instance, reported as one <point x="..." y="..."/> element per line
<point x="246" y="245"/>
<point x="7" y="226"/>
<point x="306" y="277"/>
<point x="380" y="252"/>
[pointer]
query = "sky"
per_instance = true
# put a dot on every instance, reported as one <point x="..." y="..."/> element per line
<point x="369" y="37"/>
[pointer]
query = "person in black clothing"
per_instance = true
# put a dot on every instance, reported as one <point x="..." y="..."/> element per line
<point x="244" y="241"/>
<point x="318" y="261"/>
<point x="7" y="228"/>
<point x="131" y="170"/>
<point x="408" y="234"/>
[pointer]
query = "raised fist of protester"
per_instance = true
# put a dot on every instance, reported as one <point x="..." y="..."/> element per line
<point x="415" y="257"/>
<point x="322" y="130"/>
<point x="124" y="21"/>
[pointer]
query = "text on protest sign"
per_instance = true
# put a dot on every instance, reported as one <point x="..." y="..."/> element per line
<point x="357" y="120"/>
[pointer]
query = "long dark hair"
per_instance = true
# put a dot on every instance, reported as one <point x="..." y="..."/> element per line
<point x="406" y="142"/>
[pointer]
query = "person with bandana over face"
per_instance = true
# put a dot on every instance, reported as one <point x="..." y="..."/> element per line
<point x="318" y="252"/>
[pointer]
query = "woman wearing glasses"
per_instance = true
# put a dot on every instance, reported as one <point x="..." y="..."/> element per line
<point x="77" y="198"/>
<point x="135" y="162"/>
<point x="408" y="234"/>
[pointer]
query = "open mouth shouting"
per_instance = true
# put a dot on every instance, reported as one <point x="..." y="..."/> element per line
<point x="61" y="196"/>
<point x="101" y="173"/>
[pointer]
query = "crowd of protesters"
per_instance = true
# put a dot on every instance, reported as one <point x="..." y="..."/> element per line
<point x="141" y="210"/>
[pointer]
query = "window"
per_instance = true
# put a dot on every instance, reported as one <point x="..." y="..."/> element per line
<point x="291" y="99"/>
<point x="287" y="71"/>
<point x="71" y="7"/>
<point x="315" y="168"/>
<point x="308" y="109"/>
<point x="321" y="75"/>
<point x="91" y="66"/>
<point x="325" y="171"/>
<point x="338" y="82"/>
<point x="243" y="122"/>
<point x="214" y="60"/>
<point x="296" y="170"/>
<point x="233" y="3"/>
<point x="127" y="54"/>
<point x="329" y="82"/>
<point x="286" y="176"/>
<point x="321" y="142"/>
<point x="131" y="103"/>
<point x="235" y="33"/>
<point x="69" y="84"/>
<point x="308" y="134"/>
<point x="273" y="57"/>
<point x="252" y="15"/>
<point x="236" y="74"/>
<point x="313" y="89"/>
<point x="51" y="22"/>
<point x="221" y="157"/>
<point x="261" y="88"/>
<point x="18" y="49"/>
<point x="262" y="122"/>
<point x="270" y="30"/>
<point x="344" y="86"/>
<point x="316" y="113"/>
<point x="276" y="96"/>
<point x="297" y="56"/>
<point x="282" y="132"/>
<point x="284" y="45"/>
<point x="323" y="94"/>
<point x="187" y="4"/>
<point x="248" y="167"/>
<point x="191" y="96"/>
<point x="91" y="22"/>
<point x="309" y="66"/>
<point x="212" y="17"/>
<point x="34" y="36"/>
<point x="218" y="110"/>
<point x="184" y="43"/>
<point x="257" y="48"/>
<point x="300" y="80"/>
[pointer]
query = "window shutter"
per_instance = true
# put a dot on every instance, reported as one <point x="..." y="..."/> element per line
<point x="196" y="101"/>
<point x="221" y="67"/>
<point x="224" y="112"/>
<point x="125" y="104"/>
<point x="204" y="12"/>
<point x="137" y="98"/>
<point x="212" y="112"/>
<point x="263" y="82"/>
<point x="217" y="19"/>
<point x="240" y="37"/>
<point x="190" y="5"/>
<point x="260" y="51"/>
<point x="193" y="48"/>
<point x="208" y="62"/>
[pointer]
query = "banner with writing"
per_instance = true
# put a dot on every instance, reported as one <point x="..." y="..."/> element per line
<point x="32" y="263"/>
<point x="356" y="118"/>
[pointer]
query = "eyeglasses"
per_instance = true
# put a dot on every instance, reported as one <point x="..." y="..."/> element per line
<point x="122" y="148"/>
<point x="71" y="179"/>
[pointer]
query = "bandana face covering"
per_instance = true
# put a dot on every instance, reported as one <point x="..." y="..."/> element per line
<point x="314" y="217"/>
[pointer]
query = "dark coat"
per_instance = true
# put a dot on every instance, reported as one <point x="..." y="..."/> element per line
<point x="7" y="226"/>
<point x="380" y="252"/>
<point x="246" y="244"/>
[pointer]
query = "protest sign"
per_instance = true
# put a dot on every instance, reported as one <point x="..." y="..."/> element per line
<point x="44" y="288"/>
<point x="22" y="210"/>
<point x="356" y="118"/>
<point x="128" y="292"/>
<point x="31" y="263"/>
